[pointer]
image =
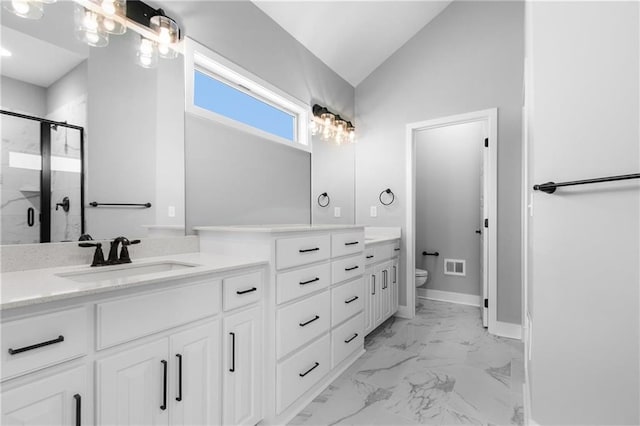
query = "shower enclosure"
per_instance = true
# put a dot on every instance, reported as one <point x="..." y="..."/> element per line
<point x="42" y="180"/>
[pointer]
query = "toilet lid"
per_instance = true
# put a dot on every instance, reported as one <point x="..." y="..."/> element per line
<point x="421" y="273"/>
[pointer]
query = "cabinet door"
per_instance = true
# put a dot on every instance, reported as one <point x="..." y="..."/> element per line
<point x="133" y="386"/>
<point x="395" y="265"/>
<point x="385" y="296"/>
<point x="369" y="279"/>
<point x="377" y="298"/>
<point x="242" y="368"/>
<point x="194" y="392"/>
<point x="55" y="400"/>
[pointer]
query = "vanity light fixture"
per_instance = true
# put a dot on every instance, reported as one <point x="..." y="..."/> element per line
<point x="331" y="127"/>
<point x="89" y="28"/>
<point x="147" y="53"/>
<point x="168" y="33"/>
<point x="29" y="9"/>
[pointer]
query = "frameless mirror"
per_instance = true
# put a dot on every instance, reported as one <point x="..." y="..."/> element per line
<point x="92" y="143"/>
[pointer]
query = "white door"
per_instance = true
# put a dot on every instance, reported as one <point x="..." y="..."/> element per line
<point x="484" y="241"/>
<point x="132" y="386"/>
<point x="195" y="376"/>
<point x="242" y="368"/>
<point x="369" y="275"/>
<point x="56" y="400"/>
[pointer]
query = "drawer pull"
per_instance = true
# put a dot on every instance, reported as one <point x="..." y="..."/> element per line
<point x="251" y="290"/>
<point x="352" y="243"/>
<point x="396" y="249"/>
<point x="36" y="346"/>
<point x="308" y="250"/>
<point x="370" y="256"/>
<point x="310" y="281"/>
<point x="373" y="284"/>
<point x="179" y="397"/>
<point x="351" y="338"/>
<point x="303" y="324"/>
<point x="233" y="352"/>
<point x="78" y="399"/>
<point x="351" y="269"/>
<point x="353" y="299"/>
<point x="164" y="385"/>
<point x="315" y="365"/>
<point x="395" y="274"/>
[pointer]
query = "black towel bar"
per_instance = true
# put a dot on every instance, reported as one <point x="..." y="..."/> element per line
<point x="550" y="187"/>
<point x="96" y="204"/>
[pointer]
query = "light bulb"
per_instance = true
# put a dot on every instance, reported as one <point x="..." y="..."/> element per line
<point x="21" y="6"/>
<point x="164" y="37"/>
<point x="146" y="46"/>
<point x="352" y="136"/>
<point x="163" y="49"/>
<point x="108" y="7"/>
<point x="89" y="28"/>
<point x="147" y="53"/>
<point x="108" y="24"/>
<point x="90" y="21"/>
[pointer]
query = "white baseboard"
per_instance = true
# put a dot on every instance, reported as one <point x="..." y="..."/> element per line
<point x="450" y="296"/>
<point x="507" y="329"/>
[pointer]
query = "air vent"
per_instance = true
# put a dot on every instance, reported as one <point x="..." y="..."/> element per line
<point x="455" y="267"/>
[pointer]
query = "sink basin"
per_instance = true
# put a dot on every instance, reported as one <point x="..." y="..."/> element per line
<point x="124" y="271"/>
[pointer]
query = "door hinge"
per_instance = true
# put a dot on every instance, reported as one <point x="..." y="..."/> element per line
<point x="486" y="142"/>
<point x="486" y="223"/>
<point x="486" y="303"/>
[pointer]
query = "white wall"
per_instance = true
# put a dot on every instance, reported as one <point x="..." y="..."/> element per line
<point x="469" y="58"/>
<point x="245" y="35"/>
<point x="448" y="204"/>
<point x="583" y="115"/>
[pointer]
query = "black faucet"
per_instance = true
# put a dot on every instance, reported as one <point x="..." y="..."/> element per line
<point x="98" y="256"/>
<point x="114" y="259"/>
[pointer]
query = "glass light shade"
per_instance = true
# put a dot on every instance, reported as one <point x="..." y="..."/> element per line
<point x="166" y="51"/>
<point x="327" y="119"/>
<point x="166" y="28"/>
<point x="314" y="128"/>
<point x="351" y="132"/>
<point x="341" y="126"/>
<point x="327" y="133"/>
<point x="88" y="27"/>
<point x="29" y="9"/>
<point x="112" y="8"/>
<point x="147" y="53"/>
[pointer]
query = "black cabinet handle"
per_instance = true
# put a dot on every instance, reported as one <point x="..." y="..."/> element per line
<point x="396" y="249"/>
<point x="36" y="346"/>
<point x="370" y="256"/>
<point x="373" y="282"/>
<point x="351" y="338"/>
<point x="351" y="269"/>
<point x="384" y="279"/>
<point x="310" y="281"/>
<point x="179" y="397"/>
<point x="353" y="299"/>
<point x="164" y="385"/>
<point x="352" y="243"/>
<point x="233" y="352"/>
<point x="30" y="216"/>
<point x="78" y="399"/>
<point x="252" y="289"/>
<point x="303" y="324"/>
<point x="308" y="250"/>
<point x="310" y="370"/>
<point x="395" y="274"/>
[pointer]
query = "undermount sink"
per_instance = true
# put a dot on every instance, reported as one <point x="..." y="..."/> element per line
<point x="124" y="271"/>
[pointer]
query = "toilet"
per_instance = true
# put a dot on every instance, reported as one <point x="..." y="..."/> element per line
<point x="421" y="277"/>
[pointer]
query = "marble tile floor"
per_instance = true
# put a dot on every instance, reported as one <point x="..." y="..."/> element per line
<point x="440" y="368"/>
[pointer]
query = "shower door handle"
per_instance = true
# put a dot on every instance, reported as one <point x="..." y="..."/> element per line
<point x="31" y="215"/>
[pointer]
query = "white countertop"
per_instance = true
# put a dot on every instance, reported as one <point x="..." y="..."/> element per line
<point x="22" y="288"/>
<point x="275" y="228"/>
<point x="376" y="240"/>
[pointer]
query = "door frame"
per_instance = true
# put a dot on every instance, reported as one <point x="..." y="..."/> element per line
<point x="490" y="118"/>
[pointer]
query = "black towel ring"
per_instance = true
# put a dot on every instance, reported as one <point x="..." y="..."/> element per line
<point x="387" y="191"/>
<point x="324" y="195"/>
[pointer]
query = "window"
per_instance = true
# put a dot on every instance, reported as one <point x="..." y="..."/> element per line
<point x="221" y="91"/>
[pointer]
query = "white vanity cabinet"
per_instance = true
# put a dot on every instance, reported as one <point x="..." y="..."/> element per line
<point x="156" y="354"/>
<point x="314" y="302"/>
<point x="381" y="278"/>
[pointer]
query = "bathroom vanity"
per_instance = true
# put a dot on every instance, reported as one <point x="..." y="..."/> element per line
<point x="314" y="305"/>
<point x="167" y="340"/>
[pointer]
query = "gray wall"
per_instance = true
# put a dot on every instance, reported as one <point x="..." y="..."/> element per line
<point x="68" y="88"/>
<point x="448" y="210"/>
<point x="584" y="300"/>
<point x="242" y="33"/>
<point x="23" y="97"/>
<point x="468" y="58"/>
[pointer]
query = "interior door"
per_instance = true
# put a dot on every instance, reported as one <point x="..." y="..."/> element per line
<point x="484" y="241"/>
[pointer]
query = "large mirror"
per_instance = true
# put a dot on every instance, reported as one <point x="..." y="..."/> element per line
<point x="92" y="143"/>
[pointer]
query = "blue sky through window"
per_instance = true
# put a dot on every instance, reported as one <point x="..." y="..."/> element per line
<point x="218" y="97"/>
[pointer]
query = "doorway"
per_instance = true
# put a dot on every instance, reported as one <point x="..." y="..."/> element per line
<point x="483" y="126"/>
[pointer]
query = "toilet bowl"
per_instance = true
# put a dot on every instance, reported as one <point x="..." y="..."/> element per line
<point x="421" y="277"/>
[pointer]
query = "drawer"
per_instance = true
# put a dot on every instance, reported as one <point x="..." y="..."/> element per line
<point x="395" y="249"/>
<point x="345" y="243"/>
<point x="242" y="290"/>
<point x="300" y="251"/>
<point x="122" y="320"/>
<point x="383" y="252"/>
<point x="40" y="341"/>
<point x="299" y="373"/>
<point x="347" y="339"/>
<point x="344" y="269"/>
<point x="301" y="322"/>
<point x="346" y="301"/>
<point x="294" y="284"/>
<point x="370" y="256"/>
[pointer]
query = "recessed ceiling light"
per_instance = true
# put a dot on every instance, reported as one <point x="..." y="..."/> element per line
<point x="5" y="52"/>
